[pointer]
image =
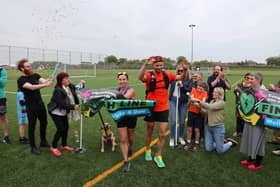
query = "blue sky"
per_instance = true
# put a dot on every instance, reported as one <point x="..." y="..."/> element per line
<point x="226" y="30"/>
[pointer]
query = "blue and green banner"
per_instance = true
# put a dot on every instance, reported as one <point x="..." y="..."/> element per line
<point x="122" y="108"/>
<point x="258" y="106"/>
<point x="118" y="107"/>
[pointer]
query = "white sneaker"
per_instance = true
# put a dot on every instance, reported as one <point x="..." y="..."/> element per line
<point x="182" y="141"/>
<point x="276" y="152"/>
<point x="171" y="142"/>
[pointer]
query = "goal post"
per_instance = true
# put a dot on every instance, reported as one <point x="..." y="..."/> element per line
<point x="208" y="70"/>
<point x="81" y="65"/>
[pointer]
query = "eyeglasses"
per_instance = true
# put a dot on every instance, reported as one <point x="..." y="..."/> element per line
<point x="180" y="70"/>
<point x="122" y="73"/>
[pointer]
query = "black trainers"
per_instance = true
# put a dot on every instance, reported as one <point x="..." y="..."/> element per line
<point x="35" y="151"/>
<point x="44" y="144"/>
<point x="126" y="166"/>
<point x="129" y="153"/>
<point x="6" y="140"/>
<point x="23" y="140"/>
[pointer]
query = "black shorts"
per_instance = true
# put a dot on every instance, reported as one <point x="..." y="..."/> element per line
<point x="3" y="106"/>
<point x="195" y="120"/>
<point x="161" y="116"/>
<point x="129" y="122"/>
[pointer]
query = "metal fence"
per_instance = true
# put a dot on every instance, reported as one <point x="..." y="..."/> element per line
<point x="9" y="55"/>
<point x="78" y="63"/>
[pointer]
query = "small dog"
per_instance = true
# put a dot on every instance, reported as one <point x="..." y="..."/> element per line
<point x="107" y="137"/>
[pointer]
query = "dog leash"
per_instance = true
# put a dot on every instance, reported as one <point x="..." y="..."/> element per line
<point x="101" y="118"/>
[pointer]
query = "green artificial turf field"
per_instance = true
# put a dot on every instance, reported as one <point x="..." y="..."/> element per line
<point x="184" y="168"/>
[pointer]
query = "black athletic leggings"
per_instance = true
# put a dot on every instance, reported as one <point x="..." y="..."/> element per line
<point x="33" y="113"/>
<point x="61" y="123"/>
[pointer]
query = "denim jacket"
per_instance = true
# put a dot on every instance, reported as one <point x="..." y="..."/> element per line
<point x="187" y="87"/>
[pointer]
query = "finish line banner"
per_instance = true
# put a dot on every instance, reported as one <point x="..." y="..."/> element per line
<point x="258" y="105"/>
<point x="122" y="108"/>
<point x="93" y="100"/>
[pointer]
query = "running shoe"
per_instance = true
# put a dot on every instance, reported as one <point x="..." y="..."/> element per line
<point x="148" y="155"/>
<point x="196" y="147"/>
<point x="276" y="152"/>
<point x="182" y="141"/>
<point x="126" y="166"/>
<point x="171" y="142"/>
<point x="187" y="146"/>
<point x="159" y="162"/>
<point x="129" y="153"/>
<point x="23" y="140"/>
<point x="6" y="140"/>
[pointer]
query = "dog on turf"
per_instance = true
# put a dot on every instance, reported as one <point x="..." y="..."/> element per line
<point x="107" y="137"/>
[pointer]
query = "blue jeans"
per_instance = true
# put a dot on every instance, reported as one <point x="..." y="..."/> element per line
<point x="214" y="139"/>
<point x="182" y="110"/>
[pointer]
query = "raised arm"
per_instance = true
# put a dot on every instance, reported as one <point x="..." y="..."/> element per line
<point x="43" y="83"/>
<point x="141" y="72"/>
<point x="42" y="80"/>
<point x="179" y="77"/>
<point x="228" y="86"/>
<point x="215" y="82"/>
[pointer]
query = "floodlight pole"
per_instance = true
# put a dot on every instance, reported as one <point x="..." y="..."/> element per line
<point x="192" y="26"/>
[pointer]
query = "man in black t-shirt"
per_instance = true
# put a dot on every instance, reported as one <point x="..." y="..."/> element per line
<point x="30" y="84"/>
<point x="217" y="79"/>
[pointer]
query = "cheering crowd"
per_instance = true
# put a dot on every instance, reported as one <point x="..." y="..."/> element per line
<point x="186" y="99"/>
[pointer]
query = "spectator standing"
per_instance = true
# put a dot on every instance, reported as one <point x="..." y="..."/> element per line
<point x="178" y="96"/>
<point x="217" y="79"/>
<point x="30" y="84"/>
<point x="3" y="105"/>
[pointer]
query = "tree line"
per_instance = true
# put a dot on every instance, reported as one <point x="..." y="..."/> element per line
<point x="112" y="61"/>
<point x="273" y="61"/>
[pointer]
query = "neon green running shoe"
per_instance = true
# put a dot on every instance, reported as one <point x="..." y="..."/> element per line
<point x="159" y="162"/>
<point x="148" y="155"/>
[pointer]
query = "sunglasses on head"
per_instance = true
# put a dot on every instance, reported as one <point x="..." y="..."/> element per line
<point x="122" y="73"/>
<point x="156" y="59"/>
